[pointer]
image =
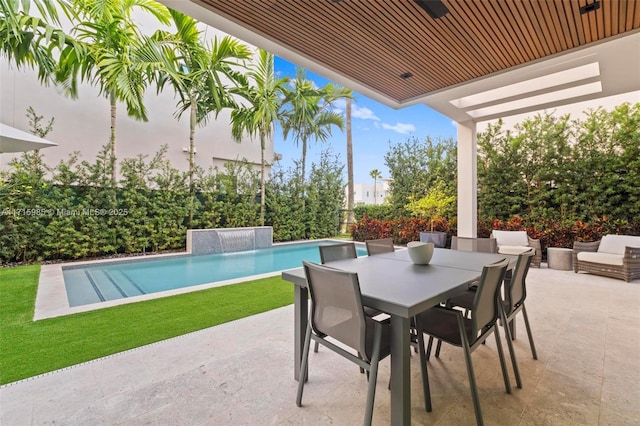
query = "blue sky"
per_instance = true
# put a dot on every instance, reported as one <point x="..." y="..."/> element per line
<point x="374" y="126"/>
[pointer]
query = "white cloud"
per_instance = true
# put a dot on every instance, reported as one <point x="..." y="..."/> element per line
<point x="402" y="128"/>
<point x="363" y="113"/>
<point x="340" y="104"/>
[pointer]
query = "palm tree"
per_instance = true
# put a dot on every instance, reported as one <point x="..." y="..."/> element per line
<point x="30" y="41"/>
<point x="197" y="71"/>
<point x="350" y="190"/>
<point x="116" y="56"/>
<point x="310" y="112"/>
<point x="375" y="175"/>
<point x="264" y="95"/>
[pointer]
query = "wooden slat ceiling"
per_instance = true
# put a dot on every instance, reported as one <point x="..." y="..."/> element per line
<point x="374" y="42"/>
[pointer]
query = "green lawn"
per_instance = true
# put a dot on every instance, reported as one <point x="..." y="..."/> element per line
<point x="28" y="348"/>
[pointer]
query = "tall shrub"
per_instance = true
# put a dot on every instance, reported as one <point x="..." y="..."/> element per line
<point x="65" y="236"/>
<point x="169" y="207"/>
<point x="25" y="208"/>
<point x="97" y="192"/>
<point x="238" y="188"/>
<point x="284" y="204"/>
<point x="325" y="196"/>
<point x="416" y="165"/>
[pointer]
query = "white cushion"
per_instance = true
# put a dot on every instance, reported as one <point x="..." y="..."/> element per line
<point x="511" y="238"/>
<point x="604" y="258"/>
<point x="616" y="243"/>
<point x="513" y="249"/>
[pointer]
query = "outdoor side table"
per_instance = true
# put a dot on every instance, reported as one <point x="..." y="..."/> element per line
<point x="560" y="258"/>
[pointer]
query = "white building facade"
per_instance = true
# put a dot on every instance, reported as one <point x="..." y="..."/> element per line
<point x="369" y="194"/>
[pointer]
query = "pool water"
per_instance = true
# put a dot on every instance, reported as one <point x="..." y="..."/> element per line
<point x="116" y="280"/>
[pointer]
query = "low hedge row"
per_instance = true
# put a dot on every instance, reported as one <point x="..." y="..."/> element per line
<point x="550" y="233"/>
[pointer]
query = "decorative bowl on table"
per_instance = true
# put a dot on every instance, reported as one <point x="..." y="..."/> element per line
<point x="419" y="252"/>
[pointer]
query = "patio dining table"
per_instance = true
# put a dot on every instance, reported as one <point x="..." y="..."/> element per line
<point x="391" y="283"/>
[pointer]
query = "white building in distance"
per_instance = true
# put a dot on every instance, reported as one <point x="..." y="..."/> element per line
<point x="367" y="194"/>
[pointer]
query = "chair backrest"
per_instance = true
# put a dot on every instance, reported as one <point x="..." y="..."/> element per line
<point x="510" y="238"/>
<point x="516" y="290"/>
<point x="485" y="303"/>
<point x="485" y="245"/>
<point x="383" y="245"/>
<point x="336" y="305"/>
<point x="340" y="251"/>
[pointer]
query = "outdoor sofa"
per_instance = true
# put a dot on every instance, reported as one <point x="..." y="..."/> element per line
<point x="517" y="242"/>
<point x="616" y="256"/>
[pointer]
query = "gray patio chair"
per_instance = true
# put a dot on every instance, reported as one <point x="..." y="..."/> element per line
<point x="385" y="245"/>
<point x="485" y="245"/>
<point x="382" y="245"/>
<point x="339" y="251"/>
<point x="451" y="326"/>
<point x="515" y="291"/>
<point x="337" y="312"/>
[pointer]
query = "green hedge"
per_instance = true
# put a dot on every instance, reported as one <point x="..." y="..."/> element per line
<point x="381" y="212"/>
<point x="72" y="210"/>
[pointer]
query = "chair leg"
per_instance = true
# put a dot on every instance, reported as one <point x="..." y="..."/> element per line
<point x="512" y="329"/>
<point x="470" y="373"/>
<point x="304" y="366"/>
<point x="503" y="364"/>
<point x="425" y="375"/>
<point x="373" y="375"/>
<point x="315" y="347"/>
<point x="438" y="346"/>
<point x="429" y="347"/>
<point x="512" y="352"/>
<point x="526" y="323"/>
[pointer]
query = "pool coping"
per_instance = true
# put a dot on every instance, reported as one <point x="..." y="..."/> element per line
<point x="51" y="297"/>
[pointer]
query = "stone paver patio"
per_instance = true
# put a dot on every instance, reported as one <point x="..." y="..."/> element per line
<point x="586" y="329"/>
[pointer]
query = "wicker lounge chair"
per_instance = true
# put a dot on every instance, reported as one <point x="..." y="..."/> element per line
<point x="616" y="256"/>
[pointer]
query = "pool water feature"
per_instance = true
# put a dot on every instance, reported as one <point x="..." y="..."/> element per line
<point x="87" y="284"/>
<point x="237" y="240"/>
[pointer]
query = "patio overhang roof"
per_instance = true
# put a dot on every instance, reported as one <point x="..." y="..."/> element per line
<point x="482" y="60"/>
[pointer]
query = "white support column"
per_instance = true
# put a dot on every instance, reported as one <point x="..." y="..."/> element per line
<point x="467" y="180"/>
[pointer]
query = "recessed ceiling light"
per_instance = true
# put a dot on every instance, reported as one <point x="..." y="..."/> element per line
<point x="590" y="7"/>
<point x="406" y="75"/>
<point x="435" y="8"/>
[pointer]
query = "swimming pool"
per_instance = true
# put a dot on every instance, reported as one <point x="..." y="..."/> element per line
<point x="87" y="284"/>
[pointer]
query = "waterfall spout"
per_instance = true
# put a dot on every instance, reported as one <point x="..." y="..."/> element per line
<point x="233" y="240"/>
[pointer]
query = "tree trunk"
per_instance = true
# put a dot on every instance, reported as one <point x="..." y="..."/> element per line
<point x="375" y="191"/>
<point x="262" y="179"/>
<point x="112" y="136"/>
<point x="350" y="190"/>
<point x="304" y="160"/>
<point x="192" y="141"/>
<point x="192" y="155"/>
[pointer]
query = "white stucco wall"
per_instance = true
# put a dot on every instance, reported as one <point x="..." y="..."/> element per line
<point x="84" y="124"/>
